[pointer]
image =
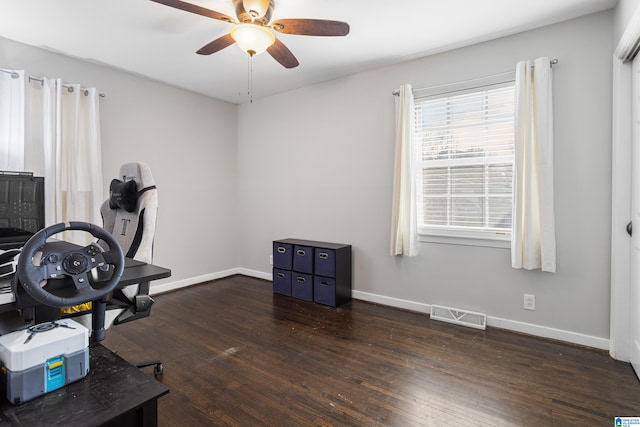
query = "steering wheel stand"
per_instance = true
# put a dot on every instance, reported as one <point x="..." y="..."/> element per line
<point x="61" y="277"/>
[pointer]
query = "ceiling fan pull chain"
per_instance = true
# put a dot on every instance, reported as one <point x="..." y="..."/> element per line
<point x="250" y="79"/>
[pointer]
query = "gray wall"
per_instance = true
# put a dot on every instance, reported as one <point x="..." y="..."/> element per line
<point x="316" y="163"/>
<point x="188" y="140"/>
<point x="621" y="17"/>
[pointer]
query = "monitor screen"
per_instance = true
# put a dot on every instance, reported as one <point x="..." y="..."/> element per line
<point x="21" y="208"/>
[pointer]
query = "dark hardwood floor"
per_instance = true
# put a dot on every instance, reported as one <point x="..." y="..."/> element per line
<point x="236" y="355"/>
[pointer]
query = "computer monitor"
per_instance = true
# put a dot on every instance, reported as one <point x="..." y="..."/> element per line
<point x="21" y="208"/>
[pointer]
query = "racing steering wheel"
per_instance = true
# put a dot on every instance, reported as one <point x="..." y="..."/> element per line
<point x="59" y="259"/>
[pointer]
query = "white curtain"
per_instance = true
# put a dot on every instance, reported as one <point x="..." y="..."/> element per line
<point x="533" y="243"/>
<point x="40" y="148"/>
<point x="63" y="145"/>
<point x="80" y="156"/>
<point x="404" y="236"/>
<point x="12" y="99"/>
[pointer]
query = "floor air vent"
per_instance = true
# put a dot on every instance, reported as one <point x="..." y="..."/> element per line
<point x="459" y="317"/>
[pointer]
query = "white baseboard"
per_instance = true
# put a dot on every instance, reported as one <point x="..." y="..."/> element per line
<point x="256" y="274"/>
<point x="171" y="286"/>
<point x="393" y="302"/>
<point x="512" y="325"/>
<point x="547" y="332"/>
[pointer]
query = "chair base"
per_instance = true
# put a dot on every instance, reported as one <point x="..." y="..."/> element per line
<point x="158" y="368"/>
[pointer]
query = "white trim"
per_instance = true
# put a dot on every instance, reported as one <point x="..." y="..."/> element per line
<point x="620" y="317"/>
<point x="171" y="286"/>
<point x="255" y="273"/>
<point x="547" y="332"/>
<point x="465" y="241"/>
<point x="392" y="302"/>
<point x="630" y="41"/>
<point x="512" y="325"/>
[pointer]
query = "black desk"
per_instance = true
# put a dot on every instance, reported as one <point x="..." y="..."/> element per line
<point x="135" y="272"/>
<point x="140" y="272"/>
<point x="114" y="393"/>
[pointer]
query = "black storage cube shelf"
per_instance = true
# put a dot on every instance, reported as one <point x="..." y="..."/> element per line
<point x="318" y="271"/>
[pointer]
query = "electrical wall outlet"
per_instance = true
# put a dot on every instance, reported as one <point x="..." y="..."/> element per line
<point x="270" y="259"/>
<point x="529" y="302"/>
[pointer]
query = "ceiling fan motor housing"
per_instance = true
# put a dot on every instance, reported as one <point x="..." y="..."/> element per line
<point x="244" y="15"/>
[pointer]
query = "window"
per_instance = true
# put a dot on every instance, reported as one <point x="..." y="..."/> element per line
<point x="464" y="142"/>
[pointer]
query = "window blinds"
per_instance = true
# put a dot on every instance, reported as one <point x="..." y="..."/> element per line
<point x="464" y="158"/>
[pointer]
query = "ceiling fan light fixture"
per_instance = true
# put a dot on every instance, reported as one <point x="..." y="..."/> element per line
<point x="256" y="8"/>
<point x="252" y="39"/>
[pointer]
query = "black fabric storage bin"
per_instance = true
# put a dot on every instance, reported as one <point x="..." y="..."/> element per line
<point x="302" y="286"/>
<point x="303" y="259"/>
<point x="282" y="282"/>
<point x="324" y="290"/>
<point x="325" y="262"/>
<point x="282" y="255"/>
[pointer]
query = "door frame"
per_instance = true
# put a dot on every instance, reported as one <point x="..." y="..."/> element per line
<point x="620" y="315"/>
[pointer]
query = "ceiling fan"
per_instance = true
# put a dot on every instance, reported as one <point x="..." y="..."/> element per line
<point x="253" y="28"/>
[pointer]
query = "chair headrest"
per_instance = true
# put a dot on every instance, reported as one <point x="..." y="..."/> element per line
<point x="139" y="172"/>
<point x="136" y="179"/>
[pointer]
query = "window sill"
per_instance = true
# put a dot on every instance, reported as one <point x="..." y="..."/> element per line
<point x="465" y="241"/>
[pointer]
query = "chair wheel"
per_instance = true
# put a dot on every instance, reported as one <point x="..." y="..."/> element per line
<point x="158" y="369"/>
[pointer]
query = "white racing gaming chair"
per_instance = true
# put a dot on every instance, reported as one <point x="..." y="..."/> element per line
<point x="130" y="216"/>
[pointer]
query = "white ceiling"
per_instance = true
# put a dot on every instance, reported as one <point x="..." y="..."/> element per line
<point x="159" y="42"/>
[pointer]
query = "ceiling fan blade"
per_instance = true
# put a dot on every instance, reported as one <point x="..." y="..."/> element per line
<point x="216" y="45"/>
<point x="282" y="54"/>
<point x="199" y="10"/>
<point x="311" y="27"/>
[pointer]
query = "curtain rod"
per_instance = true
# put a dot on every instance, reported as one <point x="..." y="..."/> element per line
<point x="14" y="75"/>
<point x="69" y="88"/>
<point x="552" y="62"/>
